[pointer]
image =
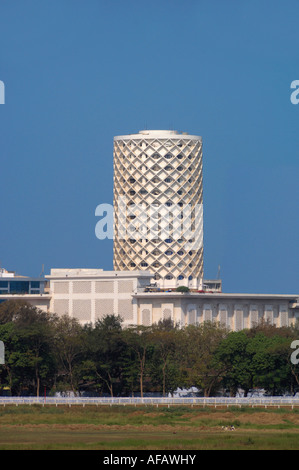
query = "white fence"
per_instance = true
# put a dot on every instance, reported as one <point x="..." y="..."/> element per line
<point x="130" y="401"/>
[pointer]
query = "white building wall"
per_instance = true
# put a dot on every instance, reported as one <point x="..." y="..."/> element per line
<point x="235" y="314"/>
<point x="90" y="295"/>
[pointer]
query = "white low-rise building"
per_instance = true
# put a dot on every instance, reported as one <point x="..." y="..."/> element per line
<point x="90" y="294"/>
<point x="235" y="311"/>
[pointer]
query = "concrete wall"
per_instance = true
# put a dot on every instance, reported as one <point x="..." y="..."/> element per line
<point x="234" y="312"/>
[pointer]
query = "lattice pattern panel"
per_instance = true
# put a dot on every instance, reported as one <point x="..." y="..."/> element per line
<point x="61" y="287"/>
<point x="207" y="313"/>
<point x="82" y="309"/>
<point x="125" y="287"/>
<point x="81" y="287"/>
<point x="269" y="314"/>
<point x="125" y="309"/>
<point x="61" y="306"/>
<point x="215" y="314"/>
<point x="223" y="315"/>
<point x="238" y="319"/>
<point x="283" y="313"/>
<point x="146" y="317"/>
<point x="192" y="314"/>
<point x="104" y="287"/>
<point x="157" y="179"/>
<point x="166" y="313"/>
<point x="103" y="307"/>
<point x="254" y="315"/>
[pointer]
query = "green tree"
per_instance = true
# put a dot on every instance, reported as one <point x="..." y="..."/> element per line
<point x="233" y="354"/>
<point x="68" y="342"/>
<point x="198" y="345"/>
<point x="269" y="367"/>
<point x="104" y="350"/>
<point x="183" y="289"/>
<point x="140" y="348"/>
<point x="164" y="367"/>
<point x="26" y="333"/>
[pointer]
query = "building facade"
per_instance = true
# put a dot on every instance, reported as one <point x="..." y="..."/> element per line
<point x="233" y="311"/>
<point x="32" y="290"/>
<point x="158" y="206"/>
<point x="89" y="295"/>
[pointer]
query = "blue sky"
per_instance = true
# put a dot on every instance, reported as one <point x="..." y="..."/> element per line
<point x="77" y="73"/>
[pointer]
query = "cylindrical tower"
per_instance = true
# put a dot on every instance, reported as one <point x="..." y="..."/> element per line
<point x="158" y="217"/>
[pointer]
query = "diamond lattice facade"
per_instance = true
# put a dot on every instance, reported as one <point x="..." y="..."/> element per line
<point x="158" y="224"/>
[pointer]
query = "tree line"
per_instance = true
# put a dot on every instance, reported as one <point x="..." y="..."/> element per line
<point x="56" y="354"/>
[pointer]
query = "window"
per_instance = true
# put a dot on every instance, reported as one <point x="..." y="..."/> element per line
<point x="35" y="285"/>
<point x="19" y="287"/>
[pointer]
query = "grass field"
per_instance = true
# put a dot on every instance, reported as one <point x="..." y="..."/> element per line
<point x="147" y="428"/>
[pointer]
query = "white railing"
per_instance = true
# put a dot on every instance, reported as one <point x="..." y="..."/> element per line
<point x="151" y="401"/>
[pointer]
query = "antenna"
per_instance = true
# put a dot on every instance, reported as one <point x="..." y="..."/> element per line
<point x="42" y="272"/>
<point x="218" y="273"/>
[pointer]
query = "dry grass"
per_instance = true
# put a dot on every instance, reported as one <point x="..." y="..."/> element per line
<point x="181" y="428"/>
